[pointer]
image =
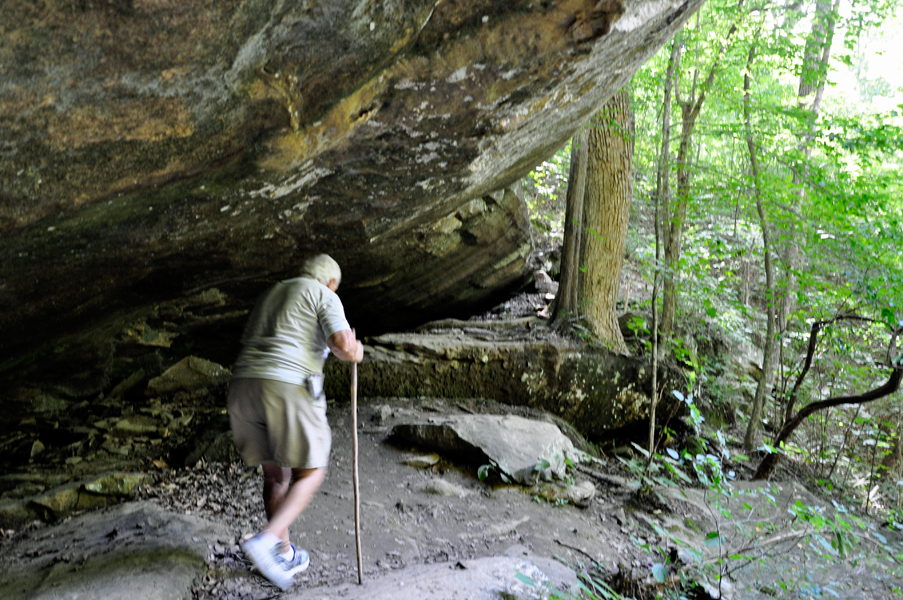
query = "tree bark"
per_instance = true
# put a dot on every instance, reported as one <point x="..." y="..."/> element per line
<point x="606" y="209"/>
<point x="565" y="306"/>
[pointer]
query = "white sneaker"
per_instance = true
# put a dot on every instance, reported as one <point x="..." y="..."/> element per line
<point x="263" y="550"/>
<point x="299" y="562"/>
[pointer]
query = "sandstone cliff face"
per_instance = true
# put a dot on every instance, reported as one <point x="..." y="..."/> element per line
<point x="152" y="149"/>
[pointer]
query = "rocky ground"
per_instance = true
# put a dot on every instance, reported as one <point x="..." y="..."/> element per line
<point x="420" y="509"/>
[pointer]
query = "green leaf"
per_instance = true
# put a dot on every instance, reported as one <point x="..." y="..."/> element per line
<point x="827" y="546"/>
<point x="523" y="578"/>
<point x="679" y="473"/>
<point x="660" y="572"/>
<point x="640" y="449"/>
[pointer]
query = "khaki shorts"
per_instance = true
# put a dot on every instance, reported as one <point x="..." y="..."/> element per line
<point x="279" y="422"/>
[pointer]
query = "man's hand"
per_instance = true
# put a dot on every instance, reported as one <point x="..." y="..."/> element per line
<point x="345" y="346"/>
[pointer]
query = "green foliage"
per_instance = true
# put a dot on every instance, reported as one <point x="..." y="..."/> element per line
<point x="484" y="471"/>
<point x="545" y="194"/>
<point x="832" y="192"/>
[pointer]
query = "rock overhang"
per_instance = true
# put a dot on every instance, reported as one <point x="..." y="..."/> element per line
<point x="153" y="150"/>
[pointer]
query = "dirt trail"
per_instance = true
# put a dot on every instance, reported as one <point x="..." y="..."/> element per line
<point x="410" y="515"/>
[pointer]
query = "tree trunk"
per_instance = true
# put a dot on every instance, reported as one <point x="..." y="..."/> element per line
<point x="565" y="306"/>
<point x="809" y="97"/>
<point x="606" y="209"/>
<point x="662" y="194"/>
<point x="675" y="224"/>
<point x="759" y="400"/>
<point x="663" y="172"/>
<point x="769" y="463"/>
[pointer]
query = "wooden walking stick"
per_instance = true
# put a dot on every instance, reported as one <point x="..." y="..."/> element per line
<point x="357" y="498"/>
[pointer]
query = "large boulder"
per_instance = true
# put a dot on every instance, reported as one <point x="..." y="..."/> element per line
<point x="189" y="374"/>
<point x="152" y="150"/>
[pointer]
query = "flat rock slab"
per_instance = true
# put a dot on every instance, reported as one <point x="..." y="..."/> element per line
<point x="478" y="579"/>
<point x="522" y="449"/>
<point x="134" y="550"/>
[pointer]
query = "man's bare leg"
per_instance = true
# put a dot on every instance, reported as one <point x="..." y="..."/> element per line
<point x="276" y="481"/>
<point x="287" y="492"/>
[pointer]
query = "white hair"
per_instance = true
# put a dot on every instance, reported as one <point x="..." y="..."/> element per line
<point x="322" y="268"/>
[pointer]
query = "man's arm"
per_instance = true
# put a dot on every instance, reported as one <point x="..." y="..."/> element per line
<point x="345" y="346"/>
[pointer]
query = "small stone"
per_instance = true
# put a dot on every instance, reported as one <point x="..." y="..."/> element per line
<point x="115" y="484"/>
<point x="544" y="283"/>
<point x="45" y="403"/>
<point x="421" y="461"/>
<point x="114" y="448"/>
<point x="104" y="424"/>
<point x="441" y="487"/>
<point x="578" y="494"/>
<point x="381" y="415"/>
<point x="36" y="448"/>
<point x="135" y="426"/>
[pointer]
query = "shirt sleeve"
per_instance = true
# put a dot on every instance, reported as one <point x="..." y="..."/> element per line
<point x="331" y="315"/>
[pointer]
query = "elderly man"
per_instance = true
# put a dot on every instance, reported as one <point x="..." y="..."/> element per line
<point x="277" y="408"/>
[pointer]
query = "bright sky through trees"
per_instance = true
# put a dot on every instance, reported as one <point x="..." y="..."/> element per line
<point x="874" y="81"/>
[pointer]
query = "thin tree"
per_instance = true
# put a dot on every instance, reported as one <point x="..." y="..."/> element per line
<point x="662" y="190"/>
<point x="759" y="399"/>
<point x="675" y="215"/>
<point x="565" y="306"/>
<point x="770" y="462"/>
<point x="813" y="78"/>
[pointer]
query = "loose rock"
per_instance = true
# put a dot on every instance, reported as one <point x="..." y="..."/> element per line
<point x="189" y="374"/>
<point x="522" y="449"/>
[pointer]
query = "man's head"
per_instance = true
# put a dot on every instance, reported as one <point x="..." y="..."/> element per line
<point x="324" y="269"/>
